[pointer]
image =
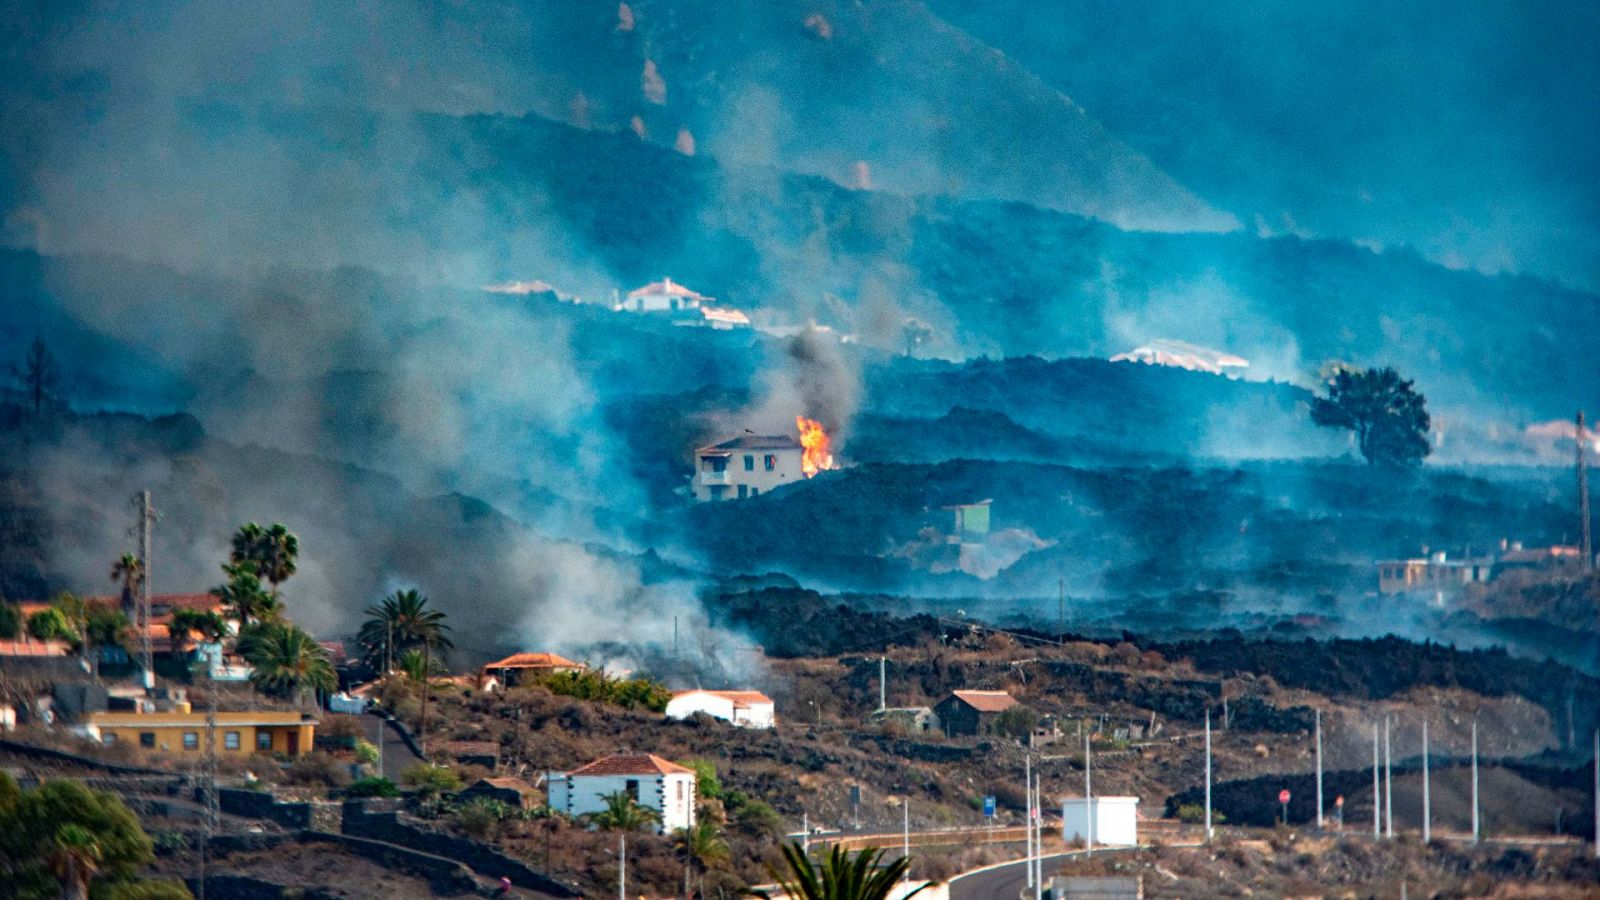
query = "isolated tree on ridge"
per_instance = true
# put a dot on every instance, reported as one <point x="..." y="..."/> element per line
<point x="403" y="621"/>
<point x="39" y="374"/>
<point x="1388" y="416"/>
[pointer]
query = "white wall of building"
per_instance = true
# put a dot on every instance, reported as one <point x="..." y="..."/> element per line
<point x="670" y="795"/>
<point x="1116" y="820"/>
<point x="746" y="469"/>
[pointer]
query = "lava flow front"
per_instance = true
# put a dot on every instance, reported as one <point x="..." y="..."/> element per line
<point x="818" y="455"/>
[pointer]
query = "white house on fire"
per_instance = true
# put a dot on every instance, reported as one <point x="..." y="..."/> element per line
<point x="746" y="466"/>
<point x="651" y="781"/>
<point x="751" y="709"/>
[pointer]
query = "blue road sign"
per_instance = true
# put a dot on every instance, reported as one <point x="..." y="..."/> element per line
<point x="988" y="807"/>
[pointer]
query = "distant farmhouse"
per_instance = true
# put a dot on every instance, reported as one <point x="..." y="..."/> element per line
<point x="972" y="712"/>
<point x="517" y="667"/>
<point x="685" y="306"/>
<point x="1438" y="576"/>
<point x="750" y="709"/>
<point x="746" y="466"/>
<point x="647" y="779"/>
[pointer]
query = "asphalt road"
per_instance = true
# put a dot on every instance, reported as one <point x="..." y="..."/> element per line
<point x="397" y="757"/>
<point x="1003" y="882"/>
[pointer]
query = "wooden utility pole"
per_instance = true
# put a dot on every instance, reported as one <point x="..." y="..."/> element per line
<point x="1319" y="770"/>
<point x="1377" y="793"/>
<point x="147" y="522"/>
<point x="1208" y="775"/>
<point x="1475" y="828"/>
<point x="1585" y="546"/>
<point x="1427" y="796"/>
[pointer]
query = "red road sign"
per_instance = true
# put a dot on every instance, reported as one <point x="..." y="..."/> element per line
<point x="1283" y="796"/>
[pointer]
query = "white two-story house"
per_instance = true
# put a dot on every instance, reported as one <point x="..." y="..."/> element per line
<point x="746" y="466"/>
<point x="651" y="781"/>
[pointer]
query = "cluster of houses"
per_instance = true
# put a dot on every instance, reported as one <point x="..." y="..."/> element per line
<point x="1438" y="575"/>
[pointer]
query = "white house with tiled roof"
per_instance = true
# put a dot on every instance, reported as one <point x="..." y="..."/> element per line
<point x="651" y="781"/>
<point x="663" y="296"/>
<point x="746" y="466"/>
<point x="751" y="709"/>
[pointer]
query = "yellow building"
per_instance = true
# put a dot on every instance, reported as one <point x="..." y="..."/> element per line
<point x="238" y="733"/>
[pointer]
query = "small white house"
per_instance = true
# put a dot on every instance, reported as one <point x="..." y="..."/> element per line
<point x="663" y="296"/>
<point x="751" y="709"/>
<point x="1104" y="821"/>
<point x="651" y="781"/>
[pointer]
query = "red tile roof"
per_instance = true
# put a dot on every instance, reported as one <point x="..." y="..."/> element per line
<point x="668" y="287"/>
<point x="741" y="699"/>
<point x="535" y="661"/>
<point x="631" y="764"/>
<point x="986" y="701"/>
<point x="34" y="648"/>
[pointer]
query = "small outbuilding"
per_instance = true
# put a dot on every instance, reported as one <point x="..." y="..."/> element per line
<point x="972" y="712"/>
<point x="513" y="792"/>
<point x="1102" y="822"/>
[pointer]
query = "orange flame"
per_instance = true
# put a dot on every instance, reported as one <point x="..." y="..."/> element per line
<point x="817" y="454"/>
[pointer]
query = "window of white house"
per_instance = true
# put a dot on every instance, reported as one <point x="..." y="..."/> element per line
<point x="230" y="740"/>
<point x="191" y="740"/>
<point x="771" y="462"/>
<point x="749" y="463"/>
<point x="744" y="491"/>
<point x="632" y="787"/>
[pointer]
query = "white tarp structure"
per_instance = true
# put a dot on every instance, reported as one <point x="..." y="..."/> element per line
<point x="1114" y="823"/>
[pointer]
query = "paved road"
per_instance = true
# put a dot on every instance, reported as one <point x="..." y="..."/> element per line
<point x="1004" y="882"/>
<point x="397" y="757"/>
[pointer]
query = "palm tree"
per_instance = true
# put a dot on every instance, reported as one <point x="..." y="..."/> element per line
<point x="402" y="621"/>
<point x="841" y="876"/>
<point x="74" y="858"/>
<point x="128" y="569"/>
<point x="289" y="662"/>
<point x="186" y="621"/>
<point x="271" y="552"/>
<point x="703" y="844"/>
<point x="623" y="813"/>
<point x="244" y="597"/>
<point x="414" y="663"/>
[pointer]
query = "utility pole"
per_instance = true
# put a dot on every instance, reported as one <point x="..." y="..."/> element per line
<point x="1061" y="611"/>
<point x="422" y="724"/>
<point x="1388" y="783"/>
<point x="1377" y="797"/>
<point x="1027" y="790"/>
<point x="210" y="781"/>
<point x="622" y="867"/>
<point x="805" y="833"/>
<point x="883" y="683"/>
<point x="1584" y="544"/>
<point x="147" y="522"/>
<point x="1474" y="780"/>
<point x="1427" y="798"/>
<point x="1319" y="770"/>
<point x="905" y="834"/>
<point x="1038" y="838"/>
<point x="1597" y="793"/>
<point x="1209" y="834"/>
<point x="1088" y="799"/>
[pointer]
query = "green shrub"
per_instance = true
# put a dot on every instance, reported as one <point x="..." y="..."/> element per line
<point x="50" y="625"/>
<point x="430" y="780"/>
<point x="373" y="787"/>
<point x="1195" y="814"/>
<point x="367" y="753"/>
<point x="592" y="684"/>
<point x="481" y="817"/>
<point x="10" y="621"/>
<point x="707" y="786"/>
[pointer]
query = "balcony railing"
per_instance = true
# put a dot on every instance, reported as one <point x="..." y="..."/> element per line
<point x="715" y="477"/>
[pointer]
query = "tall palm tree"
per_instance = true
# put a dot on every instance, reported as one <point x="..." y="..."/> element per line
<point x="623" y="813"/>
<point x="244" y="596"/>
<point x="841" y="876"/>
<point x="272" y="552"/>
<point x="290" y="663"/>
<point x="74" y="857"/>
<point x="402" y="621"/>
<point x="128" y="569"/>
